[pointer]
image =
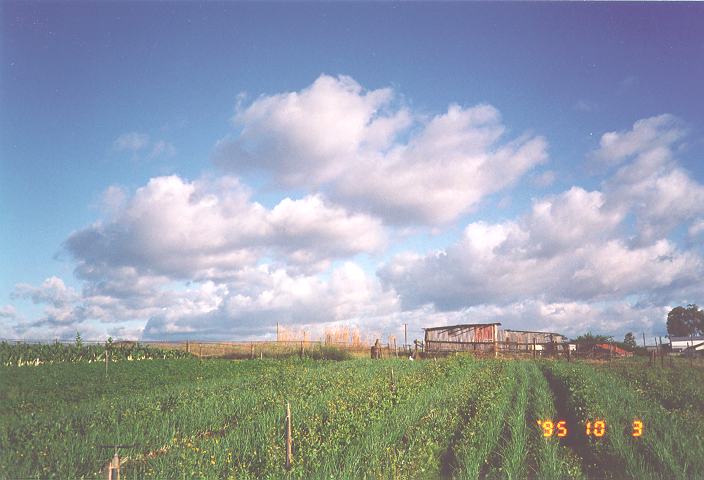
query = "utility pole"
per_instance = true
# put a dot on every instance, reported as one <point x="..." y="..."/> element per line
<point x="643" y="339"/>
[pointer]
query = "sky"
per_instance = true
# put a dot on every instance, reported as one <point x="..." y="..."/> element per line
<point x="208" y="170"/>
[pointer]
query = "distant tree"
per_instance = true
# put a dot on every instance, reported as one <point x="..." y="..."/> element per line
<point x="629" y="341"/>
<point x="682" y="322"/>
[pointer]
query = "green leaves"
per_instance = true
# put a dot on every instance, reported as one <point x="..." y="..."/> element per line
<point x="26" y="354"/>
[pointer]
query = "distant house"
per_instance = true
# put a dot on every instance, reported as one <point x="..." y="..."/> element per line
<point x="605" y="348"/>
<point x="679" y="344"/>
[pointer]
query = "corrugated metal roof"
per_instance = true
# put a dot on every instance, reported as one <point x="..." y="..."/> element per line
<point x="532" y="331"/>
<point x="464" y="325"/>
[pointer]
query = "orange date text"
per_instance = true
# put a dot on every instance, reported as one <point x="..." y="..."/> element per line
<point x="592" y="428"/>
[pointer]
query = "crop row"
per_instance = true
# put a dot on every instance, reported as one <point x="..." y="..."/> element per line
<point x="27" y="354"/>
<point x="452" y="418"/>
<point x="670" y="448"/>
<point x="679" y="387"/>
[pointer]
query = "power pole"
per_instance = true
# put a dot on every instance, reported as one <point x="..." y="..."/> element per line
<point x="643" y="339"/>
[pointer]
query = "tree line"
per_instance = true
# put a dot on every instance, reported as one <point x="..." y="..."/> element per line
<point x="681" y="322"/>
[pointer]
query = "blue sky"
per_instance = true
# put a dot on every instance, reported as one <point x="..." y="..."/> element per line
<point x="100" y="98"/>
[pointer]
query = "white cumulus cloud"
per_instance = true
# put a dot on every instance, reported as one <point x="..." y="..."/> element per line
<point x="369" y="153"/>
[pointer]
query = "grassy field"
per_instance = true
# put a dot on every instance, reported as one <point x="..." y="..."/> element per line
<point x="451" y="418"/>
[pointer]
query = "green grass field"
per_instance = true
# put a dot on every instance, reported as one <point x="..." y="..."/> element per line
<point x="450" y="418"/>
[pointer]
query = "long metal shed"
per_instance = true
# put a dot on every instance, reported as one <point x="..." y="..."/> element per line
<point x="527" y="340"/>
<point x="467" y="337"/>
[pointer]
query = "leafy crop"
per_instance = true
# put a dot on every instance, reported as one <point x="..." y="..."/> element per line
<point x="452" y="418"/>
<point x="28" y="354"/>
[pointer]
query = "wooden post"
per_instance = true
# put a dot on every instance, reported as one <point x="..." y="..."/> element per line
<point x="393" y="382"/>
<point x="200" y="350"/>
<point x="405" y="336"/>
<point x="188" y="347"/>
<point x="569" y="353"/>
<point x="610" y="350"/>
<point x="643" y="339"/>
<point x="251" y="351"/>
<point x="662" y="355"/>
<point x="277" y="332"/>
<point x="114" y="468"/>
<point x="303" y="350"/>
<point x="652" y="357"/>
<point x="107" y="359"/>
<point x="289" y="458"/>
<point x="534" y="349"/>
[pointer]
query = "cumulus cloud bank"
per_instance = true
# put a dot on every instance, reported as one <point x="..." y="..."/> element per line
<point x="578" y="245"/>
<point x="209" y="229"/>
<point x="376" y="156"/>
<point x="201" y="258"/>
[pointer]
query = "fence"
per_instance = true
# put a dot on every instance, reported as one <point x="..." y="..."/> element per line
<point x="328" y="349"/>
<point x="234" y="349"/>
<point x="260" y="348"/>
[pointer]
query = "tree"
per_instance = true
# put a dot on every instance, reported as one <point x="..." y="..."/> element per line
<point x="682" y="322"/>
<point x="629" y="341"/>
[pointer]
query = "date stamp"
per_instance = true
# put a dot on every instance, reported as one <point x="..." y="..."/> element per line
<point x="591" y="428"/>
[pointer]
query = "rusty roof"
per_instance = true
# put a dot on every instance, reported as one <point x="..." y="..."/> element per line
<point x="533" y="331"/>
<point x="464" y="325"/>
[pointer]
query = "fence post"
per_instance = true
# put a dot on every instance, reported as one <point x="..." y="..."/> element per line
<point x="114" y="468"/>
<point x="289" y="458"/>
<point x="662" y="355"/>
<point x="107" y="359"/>
<point x="393" y="383"/>
<point x="251" y="351"/>
<point x="534" y="349"/>
<point x="200" y="350"/>
<point x="609" y="344"/>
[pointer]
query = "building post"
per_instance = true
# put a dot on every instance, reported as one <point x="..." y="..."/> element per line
<point x="495" y="334"/>
<point x="405" y="336"/>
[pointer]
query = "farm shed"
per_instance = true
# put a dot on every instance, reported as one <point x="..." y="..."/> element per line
<point x="467" y="337"/>
<point x="488" y="337"/>
<point x="677" y="344"/>
<point x="517" y="340"/>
